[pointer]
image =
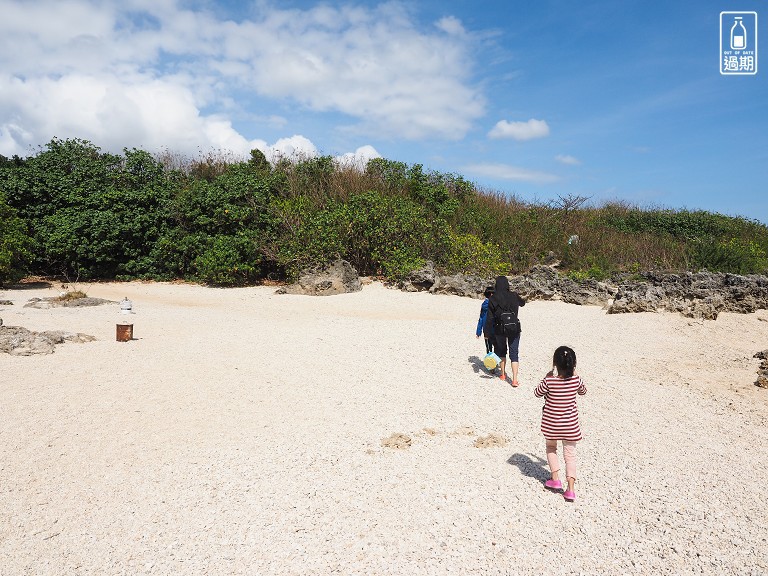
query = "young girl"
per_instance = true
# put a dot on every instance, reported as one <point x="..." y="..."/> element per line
<point x="560" y="418"/>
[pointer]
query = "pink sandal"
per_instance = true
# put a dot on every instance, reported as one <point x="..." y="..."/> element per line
<point x="569" y="495"/>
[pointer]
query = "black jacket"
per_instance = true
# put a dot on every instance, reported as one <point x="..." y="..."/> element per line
<point x="503" y="300"/>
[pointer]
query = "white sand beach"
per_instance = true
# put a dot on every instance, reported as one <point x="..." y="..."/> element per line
<point x="240" y="433"/>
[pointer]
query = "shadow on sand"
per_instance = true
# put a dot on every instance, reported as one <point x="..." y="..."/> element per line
<point x="479" y="368"/>
<point x="531" y="466"/>
<point x="32" y="285"/>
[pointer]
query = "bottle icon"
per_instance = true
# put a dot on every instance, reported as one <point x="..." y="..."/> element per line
<point x="738" y="35"/>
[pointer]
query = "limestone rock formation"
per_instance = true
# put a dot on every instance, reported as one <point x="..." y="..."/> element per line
<point x="338" y="278"/>
<point x="420" y="280"/>
<point x="19" y="341"/>
<point x="701" y="295"/>
<point x="762" y="371"/>
<point x="45" y="303"/>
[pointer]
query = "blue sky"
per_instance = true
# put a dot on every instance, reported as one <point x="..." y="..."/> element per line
<point x="611" y="100"/>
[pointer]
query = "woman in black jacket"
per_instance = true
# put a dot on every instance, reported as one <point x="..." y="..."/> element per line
<point x="502" y="311"/>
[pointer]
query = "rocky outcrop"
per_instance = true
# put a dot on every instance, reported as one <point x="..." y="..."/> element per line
<point x="695" y="295"/>
<point x="426" y="279"/>
<point x="45" y="303"/>
<point x="19" y="341"/>
<point x="460" y="285"/>
<point x="541" y="283"/>
<point x="544" y="283"/>
<point x="338" y="278"/>
<point x="420" y="280"/>
<point x="762" y="371"/>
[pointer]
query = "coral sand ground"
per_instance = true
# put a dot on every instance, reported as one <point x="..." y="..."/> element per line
<point x="242" y="432"/>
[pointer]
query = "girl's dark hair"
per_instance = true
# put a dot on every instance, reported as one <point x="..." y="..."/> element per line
<point x="565" y="361"/>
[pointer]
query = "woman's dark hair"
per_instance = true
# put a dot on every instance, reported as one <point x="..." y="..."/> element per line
<point x="565" y="361"/>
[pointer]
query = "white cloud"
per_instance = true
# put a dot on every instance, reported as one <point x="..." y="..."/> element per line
<point x="507" y="172"/>
<point x="153" y="74"/>
<point x="451" y="25"/>
<point x="567" y="159"/>
<point x="359" y="158"/>
<point x="520" y="130"/>
<point x="372" y="65"/>
<point x="296" y="147"/>
<point x="146" y="113"/>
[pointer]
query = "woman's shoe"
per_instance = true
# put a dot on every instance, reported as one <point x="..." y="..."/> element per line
<point x="569" y="495"/>
<point x="553" y="484"/>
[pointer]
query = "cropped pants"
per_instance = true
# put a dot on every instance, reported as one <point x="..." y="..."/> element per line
<point x="500" y="346"/>
<point x="569" y="451"/>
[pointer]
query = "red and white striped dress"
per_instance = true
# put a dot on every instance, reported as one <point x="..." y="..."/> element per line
<point x="559" y="417"/>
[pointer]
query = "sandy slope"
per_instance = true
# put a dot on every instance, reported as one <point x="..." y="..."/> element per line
<point x="240" y="433"/>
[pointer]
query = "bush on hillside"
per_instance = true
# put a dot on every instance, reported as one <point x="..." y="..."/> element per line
<point x="73" y="210"/>
<point x="15" y="253"/>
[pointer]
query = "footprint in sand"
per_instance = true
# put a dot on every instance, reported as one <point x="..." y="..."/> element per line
<point x="397" y="441"/>
<point x="400" y="441"/>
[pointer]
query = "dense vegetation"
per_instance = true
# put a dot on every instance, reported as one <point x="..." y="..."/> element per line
<point x="74" y="211"/>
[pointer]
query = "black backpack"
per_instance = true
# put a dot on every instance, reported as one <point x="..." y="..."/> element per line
<point x="508" y="323"/>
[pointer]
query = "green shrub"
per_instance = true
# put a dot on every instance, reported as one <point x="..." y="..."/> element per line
<point x="307" y="236"/>
<point x="388" y="234"/>
<point x="220" y="226"/>
<point x="377" y="233"/>
<point x="683" y="224"/>
<point x="390" y="175"/>
<point x="177" y="249"/>
<point x="71" y="209"/>
<point x="400" y="262"/>
<point x="93" y="214"/>
<point x="594" y="272"/>
<point x="15" y="244"/>
<point x="226" y="261"/>
<point x="468" y="254"/>
<point x="578" y="275"/>
<point x="736" y="256"/>
<point x="234" y="200"/>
